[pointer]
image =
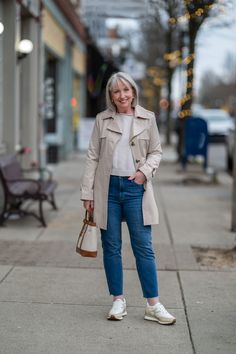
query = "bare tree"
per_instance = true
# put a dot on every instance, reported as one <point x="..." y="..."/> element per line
<point x="151" y="52"/>
<point x="173" y="9"/>
<point x="196" y="13"/>
<point x="161" y="33"/>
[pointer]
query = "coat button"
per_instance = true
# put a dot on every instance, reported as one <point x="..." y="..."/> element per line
<point x="137" y="161"/>
<point x="132" y="144"/>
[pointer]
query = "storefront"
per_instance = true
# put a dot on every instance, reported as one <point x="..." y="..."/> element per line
<point x="64" y="83"/>
<point x="19" y="76"/>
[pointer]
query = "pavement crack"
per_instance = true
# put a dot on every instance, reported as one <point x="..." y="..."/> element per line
<point x="6" y="275"/>
<point x="186" y="312"/>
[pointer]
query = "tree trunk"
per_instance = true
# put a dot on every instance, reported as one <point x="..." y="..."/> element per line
<point x="169" y="108"/>
<point x="169" y="70"/>
<point x="187" y="100"/>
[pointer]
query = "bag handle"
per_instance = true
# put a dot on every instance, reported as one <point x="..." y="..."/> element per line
<point x="89" y="219"/>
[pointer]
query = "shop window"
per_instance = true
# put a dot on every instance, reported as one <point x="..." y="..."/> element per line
<point x="50" y="98"/>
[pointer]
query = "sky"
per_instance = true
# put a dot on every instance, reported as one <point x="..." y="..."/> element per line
<point x="214" y="44"/>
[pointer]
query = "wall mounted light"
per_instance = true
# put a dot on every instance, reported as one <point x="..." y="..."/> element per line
<point x="25" y="47"/>
<point x="1" y="28"/>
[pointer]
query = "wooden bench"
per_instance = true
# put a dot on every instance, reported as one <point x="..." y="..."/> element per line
<point x="17" y="189"/>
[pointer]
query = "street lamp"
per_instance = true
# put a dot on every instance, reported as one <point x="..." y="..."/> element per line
<point x="25" y="47"/>
<point x="1" y="28"/>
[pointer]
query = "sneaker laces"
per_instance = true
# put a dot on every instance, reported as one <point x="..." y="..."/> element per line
<point x="160" y="308"/>
<point x="117" y="304"/>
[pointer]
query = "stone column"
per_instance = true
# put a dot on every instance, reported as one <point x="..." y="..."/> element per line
<point x="30" y="95"/>
<point x="9" y="75"/>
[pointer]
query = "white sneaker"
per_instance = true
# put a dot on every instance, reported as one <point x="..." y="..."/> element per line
<point x="118" y="310"/>
<point x="159" y="314"/>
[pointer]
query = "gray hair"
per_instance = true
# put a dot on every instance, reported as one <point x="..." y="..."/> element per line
<point x="124" y="77"/>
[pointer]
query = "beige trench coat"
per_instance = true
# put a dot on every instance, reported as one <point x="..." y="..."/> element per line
<point x="146" y="150"/>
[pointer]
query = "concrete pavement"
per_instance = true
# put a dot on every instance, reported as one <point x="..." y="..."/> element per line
<point x="54" y="301"/>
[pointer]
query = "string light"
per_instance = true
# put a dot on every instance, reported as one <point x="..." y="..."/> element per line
<point x="187" y="16"/>
<point x="175" y="58"/>
<point x="172" y="55"/>
<point x="185" y="98"/>
<point x="192" y="13"/>
<point x="185" y="113"/>
<point x="158" y="81"/>
<point x="172" y="21"/>
<point x="187" y="60"/>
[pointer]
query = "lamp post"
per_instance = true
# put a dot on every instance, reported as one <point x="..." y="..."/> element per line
<point x="1" y="28"/>
<point x="25" y="47"/>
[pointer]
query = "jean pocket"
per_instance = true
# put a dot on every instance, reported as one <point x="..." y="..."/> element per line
<point x="137" y="184"/>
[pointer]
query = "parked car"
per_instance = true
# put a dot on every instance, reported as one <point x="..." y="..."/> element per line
<point x="219" y="123"/>
<point x="230" y="150"/>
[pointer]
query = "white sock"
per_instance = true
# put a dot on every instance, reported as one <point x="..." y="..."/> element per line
<point x="151" y="305"/>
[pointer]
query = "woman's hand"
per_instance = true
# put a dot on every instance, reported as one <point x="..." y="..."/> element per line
<point x="89" y="206"/>
<point x="139" y="177"/>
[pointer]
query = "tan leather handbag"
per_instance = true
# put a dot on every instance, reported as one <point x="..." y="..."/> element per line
<point x="86" y="245"/>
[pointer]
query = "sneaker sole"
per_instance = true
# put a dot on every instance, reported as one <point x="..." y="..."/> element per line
<point x="117" y="317"/>
<point x="148" y="318"/>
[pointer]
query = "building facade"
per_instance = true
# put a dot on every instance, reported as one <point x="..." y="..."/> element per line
<point x="42" y="94"/>
<point x="19" y="76"/>
<point x="64" y="78"/>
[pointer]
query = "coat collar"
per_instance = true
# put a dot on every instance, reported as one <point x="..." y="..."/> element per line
<point x="139" y="112"/>
<point x="141" y="116"/>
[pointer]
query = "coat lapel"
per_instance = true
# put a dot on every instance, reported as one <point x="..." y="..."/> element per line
<point x="139" y="125"/>
<point x="141" y="118"/>
<point x="113" y="126"/>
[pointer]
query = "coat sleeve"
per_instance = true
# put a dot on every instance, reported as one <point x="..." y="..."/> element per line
<point x="87" y="185"/>
<point x="154" y="152"/>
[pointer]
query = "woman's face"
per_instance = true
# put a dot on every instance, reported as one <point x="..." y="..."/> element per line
<point x="122" y="96"/>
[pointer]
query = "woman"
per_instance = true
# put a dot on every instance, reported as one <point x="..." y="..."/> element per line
<point x="123" y="156"/>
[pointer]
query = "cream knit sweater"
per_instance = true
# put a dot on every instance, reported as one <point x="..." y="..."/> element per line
<point x="123" y="163"/>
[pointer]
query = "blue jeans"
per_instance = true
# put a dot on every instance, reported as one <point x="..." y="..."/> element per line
<point x="125" y="203"/>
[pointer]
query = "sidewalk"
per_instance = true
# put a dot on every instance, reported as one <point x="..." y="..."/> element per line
<point x="52" y="301"/>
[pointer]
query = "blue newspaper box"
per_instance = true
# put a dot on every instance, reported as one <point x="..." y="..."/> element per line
<point x="195" y="140"/>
